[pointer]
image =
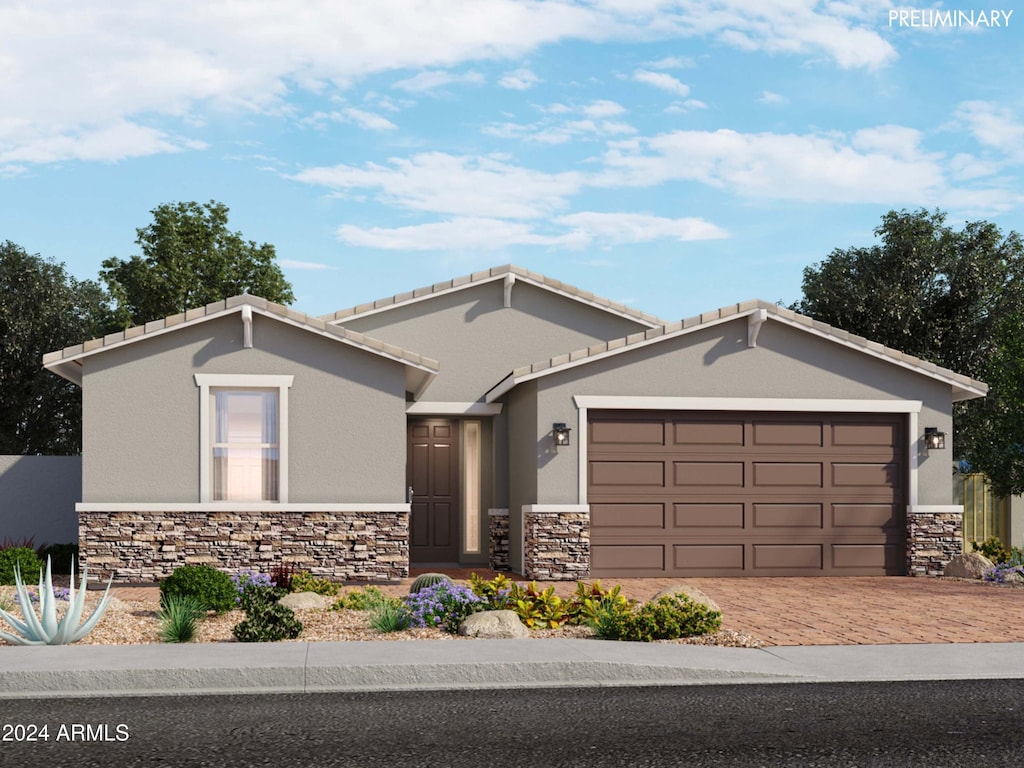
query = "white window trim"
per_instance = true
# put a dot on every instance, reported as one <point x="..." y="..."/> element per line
<point x="206" y="381"/>
<point x="616" y="402"/>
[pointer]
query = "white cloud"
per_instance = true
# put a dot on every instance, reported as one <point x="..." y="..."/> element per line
<point x="109" y="142"/>
<point x="460" y="186"/>
<point x="619" y="228"/>
<point x="77" y="68"/>
<point x="476" y="233"/>
<point x="368" y="120"/>
<point x="672" y="62"/>
<point x="304" y="265"/>
<point x="770" y="97"/>
<point x="993" y="126"/>
<point x="433" y="79"/>
<point x="603" y="108"/>
<point x="661" y="80"/>
<point x="519" y="80"/>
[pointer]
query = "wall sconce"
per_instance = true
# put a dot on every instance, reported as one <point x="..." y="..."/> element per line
<point x="561" y="433"/>
<point x="933" y="439"/>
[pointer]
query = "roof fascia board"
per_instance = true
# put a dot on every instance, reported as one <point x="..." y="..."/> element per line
<point x="783" y="404"/>
<point x="483" y="281"/>
<point x="960" y="391"/>
<point x="54" y="365"/>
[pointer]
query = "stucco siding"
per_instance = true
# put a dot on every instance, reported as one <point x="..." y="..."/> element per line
<point x="716" y="362"/>
<point x="478" y="340"/>
<point x="346" y="411"/>
<point x="524" y="457"/>
<point x="38" y="496"/>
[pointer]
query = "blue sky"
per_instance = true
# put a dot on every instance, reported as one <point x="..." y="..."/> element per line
<point x="673" y="155"/>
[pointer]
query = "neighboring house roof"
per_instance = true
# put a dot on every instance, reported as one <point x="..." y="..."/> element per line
<point x="757" y="311"/>
<point x="420" y="371"/>
<point x="507" y="272"/>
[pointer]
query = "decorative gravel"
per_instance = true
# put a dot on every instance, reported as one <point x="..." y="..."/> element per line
<point x="134" y="622"/>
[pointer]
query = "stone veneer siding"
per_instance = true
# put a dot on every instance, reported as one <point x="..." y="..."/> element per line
<point x="148" y="546"/>
<point x="933" y="539"/>
<point x="498" y="532"/>
<point x="557" y="545"/>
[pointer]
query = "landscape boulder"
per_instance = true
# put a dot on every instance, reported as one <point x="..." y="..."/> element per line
<point x="971" y="565"/>
<point x="493" y="625"/>
<point x="305" y="600"/>
<point x="696" y="595"/>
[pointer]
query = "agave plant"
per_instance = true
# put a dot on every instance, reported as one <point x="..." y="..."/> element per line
<point x="45" y="629"/>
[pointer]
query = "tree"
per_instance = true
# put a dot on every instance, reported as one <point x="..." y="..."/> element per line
<point x="189" y="259"/>
<point x="42" y="309"/>
<point x="945" y="296"/>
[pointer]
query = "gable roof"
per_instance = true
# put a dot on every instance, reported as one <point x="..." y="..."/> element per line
<point x="492" y="275"/>
<point x="964" y="387"/>
<point x="420" y="371"/>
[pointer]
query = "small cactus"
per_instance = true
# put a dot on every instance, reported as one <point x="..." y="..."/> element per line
<point x="427" y="580"/>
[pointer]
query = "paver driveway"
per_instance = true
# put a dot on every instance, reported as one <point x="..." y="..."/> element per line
<point x="851" y="610"/>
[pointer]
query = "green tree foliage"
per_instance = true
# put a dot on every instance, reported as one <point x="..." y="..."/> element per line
<point x="943" y="295"/>
<point x="189" y="259"/>
<point x="42" y="309"/>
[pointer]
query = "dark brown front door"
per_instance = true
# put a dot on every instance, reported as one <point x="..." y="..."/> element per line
<point x="433" y="476"/>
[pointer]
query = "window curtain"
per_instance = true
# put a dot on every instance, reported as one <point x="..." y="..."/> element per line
<point x="270" y="454"/>
<point x="246" y="455"/>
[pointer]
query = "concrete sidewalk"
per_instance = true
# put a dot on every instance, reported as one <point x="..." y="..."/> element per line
<point x="46" y="672"/>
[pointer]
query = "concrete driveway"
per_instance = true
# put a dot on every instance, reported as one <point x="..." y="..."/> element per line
<point x="850" y="610"/>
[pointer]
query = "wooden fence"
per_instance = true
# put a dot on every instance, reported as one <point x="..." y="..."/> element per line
<point x="985" y="515"/>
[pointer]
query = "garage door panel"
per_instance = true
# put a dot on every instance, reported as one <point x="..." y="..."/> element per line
<point x="707" y="516"/>
<point x="765" y="494"/>
<point x="860" y="557"/>
<point x="790" y="474"/>
<point x="864" y="516"/>
<point x="865" y="475"/>
<point x="787" y="434"/>
<point x="852" y="434"/>
<point x="787" y="515"/>
<point x="708" y="433"/>
<point x="789" y="556"/>
<point x="696" y="474"/>
<point x="628" y="558"/>
<point x="627" y="473"/>
<point x="717" y="558"/>
<point x="612" y="433"/>
<point x="627" y="516"/>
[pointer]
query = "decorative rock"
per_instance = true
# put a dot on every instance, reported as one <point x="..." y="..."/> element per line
<point x="971" y="565"/>
<point x="493" y="625"/>
<point x="305" y="600"/>
<point x="695" y="595"/>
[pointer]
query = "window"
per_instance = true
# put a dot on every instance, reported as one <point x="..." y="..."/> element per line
<point x="243" y="438"/>
<point x="246" y="452"/>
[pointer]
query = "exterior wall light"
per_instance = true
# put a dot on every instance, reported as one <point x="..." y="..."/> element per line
<point x="561" y="433"/>
<point x="934" y="439"/>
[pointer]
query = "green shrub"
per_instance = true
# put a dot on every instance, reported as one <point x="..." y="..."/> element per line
<point x="993" y="549"/>
<point x="178" y="617"/>
<point x="268" y="625"/>
<point x="390" y="617"/>
<point x="496" y="592"/>
<point x="303" y="581"/>
<point x="667" y="619"/>
<point x="365" y="599"/>
<point x="25" y="557"/>
<point x="428" y="580"/>
<point x="537" y="608"/>
<point x="583" y="605"/>
<point x="62" y="557"/>
<point x="257" y="597"/>
<point x="212" y="589"/>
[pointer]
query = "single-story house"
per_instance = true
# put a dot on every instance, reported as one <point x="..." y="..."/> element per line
<point x="506" y="419"/>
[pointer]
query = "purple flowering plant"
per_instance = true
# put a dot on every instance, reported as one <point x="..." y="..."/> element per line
<point x="59" y="593"/>
<point x="1002" y="571"/>
<point x="443" y="605"/>
<point x="247" y="577"/>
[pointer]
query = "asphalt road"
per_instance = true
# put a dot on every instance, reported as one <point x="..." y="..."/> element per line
<point x="934" y="724"/>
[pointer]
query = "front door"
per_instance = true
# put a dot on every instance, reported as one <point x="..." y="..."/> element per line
<point x="433" y="477"/>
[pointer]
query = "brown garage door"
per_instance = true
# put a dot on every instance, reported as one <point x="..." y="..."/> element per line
<point x="759" y="494"/>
